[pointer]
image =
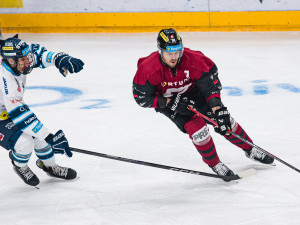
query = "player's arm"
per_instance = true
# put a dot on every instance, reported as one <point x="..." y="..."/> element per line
<point x="145" y="95"/>
<point x="210" y="87"/>
<point x="61" y="60"/>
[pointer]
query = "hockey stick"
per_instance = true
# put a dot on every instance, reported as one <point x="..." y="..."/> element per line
<point x="238" y="176"/>
<point x="243" y="139"/>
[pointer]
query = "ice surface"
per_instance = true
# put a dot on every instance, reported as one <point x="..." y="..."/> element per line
<point x="260" y="75"/>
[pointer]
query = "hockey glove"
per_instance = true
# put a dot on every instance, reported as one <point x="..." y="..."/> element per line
<point x="180" y="105"/>
<point x="223" y="119"/>
<point x="65" y="62"/>
<point x="59" y="143"/>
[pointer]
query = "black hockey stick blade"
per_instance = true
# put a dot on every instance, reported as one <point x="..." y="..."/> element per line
<point x="238" y="176"/>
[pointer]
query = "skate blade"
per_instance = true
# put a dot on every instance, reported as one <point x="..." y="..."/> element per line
<point x="260" y="163"/>
<point x="62" y="179"/>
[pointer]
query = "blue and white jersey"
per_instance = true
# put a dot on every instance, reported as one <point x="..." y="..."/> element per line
<point x="12" y="87"/>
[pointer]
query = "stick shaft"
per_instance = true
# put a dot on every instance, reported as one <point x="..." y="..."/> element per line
<point x="177" y="169"/>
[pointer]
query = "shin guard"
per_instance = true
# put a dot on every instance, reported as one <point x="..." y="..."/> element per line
<point x="199" y="133"/>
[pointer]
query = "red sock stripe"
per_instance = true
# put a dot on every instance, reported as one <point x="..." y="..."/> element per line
<point x="209" y="153"/>
<point x="207" y="150"/>
<point x="239" y="143"/>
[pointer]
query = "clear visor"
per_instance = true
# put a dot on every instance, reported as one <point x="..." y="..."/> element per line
<point x="25" y="64"/>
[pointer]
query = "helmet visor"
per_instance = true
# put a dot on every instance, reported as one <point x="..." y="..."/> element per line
<point x="25" y="64"/>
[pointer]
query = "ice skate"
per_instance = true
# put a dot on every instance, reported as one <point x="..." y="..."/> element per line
<point x="58" y="171"/>
<point x="25" y="173"/>
<point x="222" y="170"/>
<point x="259" y="156"/>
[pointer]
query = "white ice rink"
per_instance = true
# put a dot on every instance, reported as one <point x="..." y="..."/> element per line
<point x="95" y="108"/>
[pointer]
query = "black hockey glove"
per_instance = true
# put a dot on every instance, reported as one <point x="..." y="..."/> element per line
<point x="223" y="119"/>
<point x="59" y="143"/>
<point x="65" y="62"/>
<point x="180" y="105"/>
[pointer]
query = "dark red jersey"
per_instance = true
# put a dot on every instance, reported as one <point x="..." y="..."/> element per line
<point x="154" y="80"/>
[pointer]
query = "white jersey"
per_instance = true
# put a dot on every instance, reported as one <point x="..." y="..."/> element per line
<point x="12" y="87"/>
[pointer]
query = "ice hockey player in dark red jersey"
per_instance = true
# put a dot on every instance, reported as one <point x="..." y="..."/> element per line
<point x="173" y="78"/>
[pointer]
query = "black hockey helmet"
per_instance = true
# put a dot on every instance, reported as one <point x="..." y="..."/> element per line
<point x="14" y="48"/>
<point x="169" y="40"/>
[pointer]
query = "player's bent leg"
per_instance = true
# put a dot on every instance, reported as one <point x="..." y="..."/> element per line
<point x="236" y="128"/>
<point x="21" y="146"/>
<point x="47" y="163"/>
<point x="250" y="152"/>
<point x="199" y="133"/>
<point x="20" y="156"/>
<point x="22" y="150"/>
<point x="44" y="152"/>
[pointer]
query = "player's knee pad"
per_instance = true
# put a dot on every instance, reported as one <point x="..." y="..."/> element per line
<point x="198" y="131"/>
<point x="42" y="149"/>
<point x="201" y="137"/>
<point x="23" y="149"/>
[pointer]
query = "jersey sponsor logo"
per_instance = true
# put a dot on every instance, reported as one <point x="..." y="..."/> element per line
<point x="176" y="83"/>
<point x="5" y="86"/>
<point x="1" y="136"/>
<point x="24" y="108"/>
<point x="49" y="57"/>
<point x="16" y="100"/>
<point x="9" y="125"/>
<point x="200" y="135"/>
<point x="32" y="118"/>
<point x="180" y="90"/>
<point x="38" y="127"/>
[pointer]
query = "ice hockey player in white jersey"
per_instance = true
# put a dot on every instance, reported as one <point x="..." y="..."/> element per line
<point x="21" y="131"/>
